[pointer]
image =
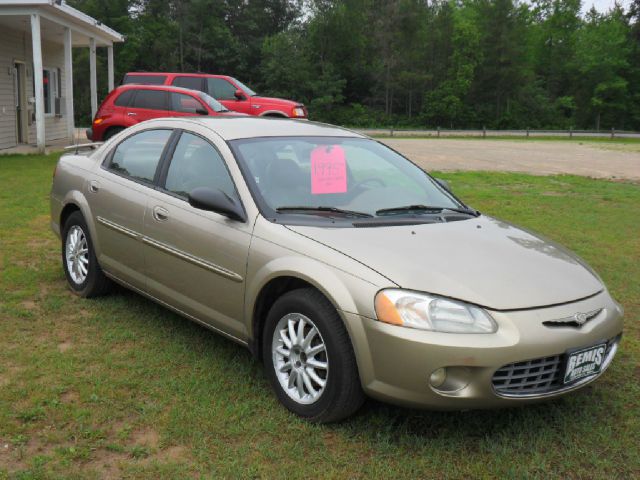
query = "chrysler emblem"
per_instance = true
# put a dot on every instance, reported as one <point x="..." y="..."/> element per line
<point x="580" y="318"/>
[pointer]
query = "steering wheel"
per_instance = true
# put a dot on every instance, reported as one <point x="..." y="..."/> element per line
<point x="361" y="183"/>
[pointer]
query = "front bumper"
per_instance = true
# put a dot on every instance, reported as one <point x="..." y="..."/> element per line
<point x="89" y="133"/>
<point x="396" y="363"/>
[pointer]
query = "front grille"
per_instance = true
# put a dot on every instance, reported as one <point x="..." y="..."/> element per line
<point x="537" y="376"/>
<point x="532" y="376"/>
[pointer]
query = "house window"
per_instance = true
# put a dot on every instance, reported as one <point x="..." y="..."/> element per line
<point x="51" y="87"/>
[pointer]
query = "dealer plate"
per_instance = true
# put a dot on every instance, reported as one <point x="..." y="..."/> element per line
<point x="584" y="362"/>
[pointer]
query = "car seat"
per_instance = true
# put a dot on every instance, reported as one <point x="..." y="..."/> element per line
<point x="286" y="184"/>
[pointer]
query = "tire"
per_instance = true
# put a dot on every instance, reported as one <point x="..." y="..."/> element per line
<point x="341" y="394"/>
<point x="84" y="275"/>
<point x="112" y="132"/>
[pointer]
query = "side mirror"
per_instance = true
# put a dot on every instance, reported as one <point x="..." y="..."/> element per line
<point x="202" y="111"/>
<point x="444" y="184"/>
<point x="211" y="200"/>
<point x="239" y="94"/>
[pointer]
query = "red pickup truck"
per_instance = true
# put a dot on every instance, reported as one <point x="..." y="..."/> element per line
<point x="232" y="93"/>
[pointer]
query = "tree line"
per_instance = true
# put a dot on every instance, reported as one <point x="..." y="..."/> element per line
<point x="453" y="64"/>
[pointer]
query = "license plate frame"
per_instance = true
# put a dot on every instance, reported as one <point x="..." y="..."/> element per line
<point x="584" y="362"/>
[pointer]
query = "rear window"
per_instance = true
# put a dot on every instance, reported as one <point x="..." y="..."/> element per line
<point x="144" y="79"/>
<point x="124" y="98"/>
<point x="194" y="83"/>
<point x="150" y="99"/>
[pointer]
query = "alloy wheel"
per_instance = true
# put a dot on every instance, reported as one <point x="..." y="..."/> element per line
<point x="300" y="358"/>
<point x="77" y="254"/>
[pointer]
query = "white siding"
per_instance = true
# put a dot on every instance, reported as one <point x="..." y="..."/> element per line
<point x="11" y="44"/>
<point x="16" y="45"/>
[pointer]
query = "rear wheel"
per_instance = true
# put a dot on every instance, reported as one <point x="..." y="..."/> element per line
<point x="112" y="132"/>
<point x="309" y="359"/>
<point x="84" y="275"/>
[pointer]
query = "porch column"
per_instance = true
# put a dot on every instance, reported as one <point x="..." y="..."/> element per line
<point x="38" y="80"/>
<point x="93" y="82"/>
<point x="110" y="66"/>
<point x="68" y="83"/>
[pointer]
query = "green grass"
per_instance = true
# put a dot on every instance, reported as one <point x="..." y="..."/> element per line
<point x="120" y="387"/>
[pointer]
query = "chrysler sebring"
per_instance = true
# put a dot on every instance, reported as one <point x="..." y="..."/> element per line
<point x="344" y="267"/>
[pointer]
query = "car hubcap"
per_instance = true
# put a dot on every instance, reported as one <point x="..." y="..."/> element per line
<point x="77" y="255"/>
<point x="300" y="358"/>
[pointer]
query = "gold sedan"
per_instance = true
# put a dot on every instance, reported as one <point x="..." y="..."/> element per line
<point x="340" y="264"/>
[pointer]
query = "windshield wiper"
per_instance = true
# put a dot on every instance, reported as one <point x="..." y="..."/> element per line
<point x="340" y="211"/>
<point x="426" y="208"/>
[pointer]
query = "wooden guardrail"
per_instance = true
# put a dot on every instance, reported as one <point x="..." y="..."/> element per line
<point x="485" y="133"/>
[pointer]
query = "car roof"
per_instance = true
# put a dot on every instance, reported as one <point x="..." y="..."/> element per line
<point x="186" y="74"/>
<point x="169" y="88"/>
<point x="234" y="128"/>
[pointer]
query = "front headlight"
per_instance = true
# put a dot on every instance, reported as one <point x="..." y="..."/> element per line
<point x="428" y="312"/>
<point x="298" y="112"/>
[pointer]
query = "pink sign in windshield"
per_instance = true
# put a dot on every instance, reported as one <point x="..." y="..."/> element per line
<point x="328" y="170"/>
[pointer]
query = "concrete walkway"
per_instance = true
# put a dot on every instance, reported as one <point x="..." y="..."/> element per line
<point x="52" y="146"/>
<point x="537" y="157"/>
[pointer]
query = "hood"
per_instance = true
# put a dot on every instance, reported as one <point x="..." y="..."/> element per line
<point x="482" y="261"/>
<point x="275" y="101"/>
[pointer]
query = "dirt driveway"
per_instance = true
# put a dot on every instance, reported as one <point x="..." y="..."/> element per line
<point x="537" y="157"/>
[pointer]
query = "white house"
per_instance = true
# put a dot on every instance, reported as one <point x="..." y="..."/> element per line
<point x="36" y="68"/>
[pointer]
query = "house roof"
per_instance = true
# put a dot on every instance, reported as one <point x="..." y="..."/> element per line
<point x="57" y="11"/>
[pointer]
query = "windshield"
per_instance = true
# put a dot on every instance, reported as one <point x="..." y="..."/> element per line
<point x="215" y="105"/>
<point x="243" y="87"/>
<point x="336" y="176"/>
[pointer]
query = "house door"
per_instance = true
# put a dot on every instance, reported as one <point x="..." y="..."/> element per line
<point x="19" y="79"/>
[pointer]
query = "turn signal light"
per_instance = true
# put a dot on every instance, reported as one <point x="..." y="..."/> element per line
<point x="386" y="310"/>
<point x="297" y="112"/>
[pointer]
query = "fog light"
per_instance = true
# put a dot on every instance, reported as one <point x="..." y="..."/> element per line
<point x="438" y="377"/>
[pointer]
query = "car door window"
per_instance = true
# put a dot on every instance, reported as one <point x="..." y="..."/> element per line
<point x="137" y="157"/>
<point x="184" y="103"/>
<point x="150" y="99"/>
<point x="221" y="89"/>
<point x="194" y="83"/>
<point x="196" y="163"/>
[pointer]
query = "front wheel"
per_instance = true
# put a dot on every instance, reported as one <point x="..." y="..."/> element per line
<point x="84" y="275"/>
<point x="309" y="358"/>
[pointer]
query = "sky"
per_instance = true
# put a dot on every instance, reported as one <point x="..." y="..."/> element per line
<point x="603" y="5"/>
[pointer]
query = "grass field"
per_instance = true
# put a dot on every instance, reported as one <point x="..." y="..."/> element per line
<point x="120" y="387"/>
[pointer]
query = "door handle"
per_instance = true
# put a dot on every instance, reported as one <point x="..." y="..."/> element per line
<point x="160" y="214"/>
<point x="93" y="186"/>
<point x="132" y="114"/>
